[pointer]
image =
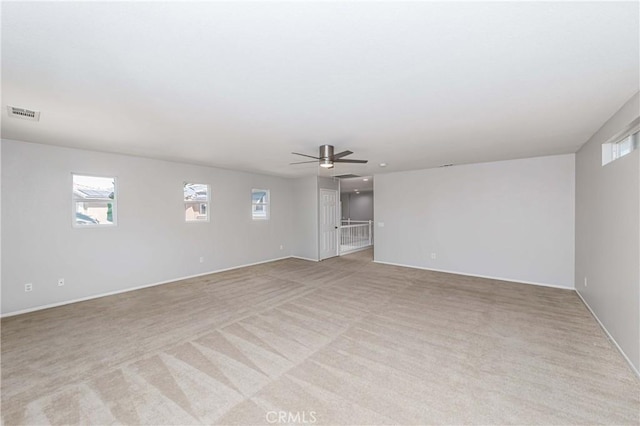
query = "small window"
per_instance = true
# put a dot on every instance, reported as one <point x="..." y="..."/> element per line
<point x="196" y="202"/>
<point x="614" y="150"/>
<point x="94" y="201"/>
<point x="260" y="204"/>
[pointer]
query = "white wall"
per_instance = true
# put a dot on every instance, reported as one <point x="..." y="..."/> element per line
<point x="328" y="183"/>
<point x="608" y="234"/>
<point x="357" y="206"/>
<point x="512" y="220"/>
<point x="152" y="243"/>
<point x="305" y="218"/>
<point x="306" y="212"/>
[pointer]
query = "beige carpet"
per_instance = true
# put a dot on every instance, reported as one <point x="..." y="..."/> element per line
<point x="344" y="341"/>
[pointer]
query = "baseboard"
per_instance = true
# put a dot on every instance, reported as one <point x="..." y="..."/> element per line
<point x="111" y="293"/>
<point x="476" y="275"/>
<point x="355" y="251"/>
<point x="305" y="258"/>
<point x="624" y="355"/>
<point x="609" y="336"/>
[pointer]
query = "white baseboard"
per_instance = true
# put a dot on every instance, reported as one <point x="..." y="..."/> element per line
<point x="305" y="258"/>
<point x="624" y="355"/>
<point x="111" y="293"/>
<point x="477" y="276"/>
<point x="97" y="296"/>
<point x="355" y="251"/>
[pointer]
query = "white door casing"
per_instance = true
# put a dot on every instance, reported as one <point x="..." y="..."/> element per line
<point x="328" y="223"/>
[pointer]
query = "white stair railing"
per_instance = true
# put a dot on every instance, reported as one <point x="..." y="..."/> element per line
<point x="355" y="235"/>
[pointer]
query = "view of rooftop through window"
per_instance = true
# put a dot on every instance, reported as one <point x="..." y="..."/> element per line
<point x="94" y="200"/>
<point x="196" y="202"/>
<point x="260" y="203"/>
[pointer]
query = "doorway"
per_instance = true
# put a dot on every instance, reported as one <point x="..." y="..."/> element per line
<point x="329" y="224"/>
<point x="356" y="208"/>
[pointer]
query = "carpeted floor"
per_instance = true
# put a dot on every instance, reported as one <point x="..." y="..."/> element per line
<point x="344" y="341"/>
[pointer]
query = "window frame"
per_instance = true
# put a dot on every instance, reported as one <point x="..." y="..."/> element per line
<point x="266" y="205"/>
<point x="200" y="203"/>
<point x="612" y="149"/>
<point x="75" y="201"/>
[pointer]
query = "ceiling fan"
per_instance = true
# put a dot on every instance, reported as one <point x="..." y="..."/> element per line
<point x="327" y="157"/>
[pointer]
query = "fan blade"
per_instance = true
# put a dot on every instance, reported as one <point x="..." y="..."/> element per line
<point x="305" y="155"/>
<point x="305" y="162"/>
<point x="342" y="154"/>
<point x="351" y="161"/>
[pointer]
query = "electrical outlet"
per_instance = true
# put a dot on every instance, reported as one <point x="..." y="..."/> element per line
<point x="28" y="287"/>
<point x="60" y="282"/>
<point x="585" y="281"/>
<point x="281" y="247"/>
<point x="201" y="259"/>
<point x="434" y="256"/>
<point x="380" y="224"/>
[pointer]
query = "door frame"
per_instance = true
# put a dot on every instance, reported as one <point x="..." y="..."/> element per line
<point x="336" y="215"/>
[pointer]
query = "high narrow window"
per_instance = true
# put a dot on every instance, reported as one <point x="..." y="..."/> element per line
<point x="260" y="204"/>
<point x="94" y="201"/>
<point x="196" y="202"/>
<point x="611" y="151"/>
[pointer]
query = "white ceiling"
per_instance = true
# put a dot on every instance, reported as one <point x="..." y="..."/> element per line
<point x="353" y="184"/>
<point x="240" y="85"/>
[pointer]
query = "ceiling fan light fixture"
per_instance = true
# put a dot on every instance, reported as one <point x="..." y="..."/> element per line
<point x="327" y="158"/>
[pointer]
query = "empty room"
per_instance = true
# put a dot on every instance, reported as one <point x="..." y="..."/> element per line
<point x="332" y="213"/>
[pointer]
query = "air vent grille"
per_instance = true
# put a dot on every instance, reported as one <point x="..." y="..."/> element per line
<point x="23" y="113"/>
<point x="348" y="176"/>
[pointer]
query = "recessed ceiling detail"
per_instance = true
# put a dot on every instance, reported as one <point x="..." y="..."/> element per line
<point x="347" y="176"/>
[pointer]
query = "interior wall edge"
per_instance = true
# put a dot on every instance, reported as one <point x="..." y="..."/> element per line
<point x="126" y="290"/>
<point x="609" y="336"/>
<point x="466" y="274"/>
<point x="304" y="258"/>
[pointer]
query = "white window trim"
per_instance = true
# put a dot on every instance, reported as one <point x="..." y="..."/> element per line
<point x="207" y="202"/>
<point x="610" y="149"/>
<point x="267" y="205"/>
<point x="114" y="209"/>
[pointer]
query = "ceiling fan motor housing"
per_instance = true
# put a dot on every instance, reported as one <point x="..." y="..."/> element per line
<point x="326" y="156"/>
<point x="326" y="151"/>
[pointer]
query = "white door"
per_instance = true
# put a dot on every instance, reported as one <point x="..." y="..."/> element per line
<point x="328" y="223"/>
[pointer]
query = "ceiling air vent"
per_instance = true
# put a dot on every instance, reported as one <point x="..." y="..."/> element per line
<point x="346" y="176"/>
<point x="25" y="114"/>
